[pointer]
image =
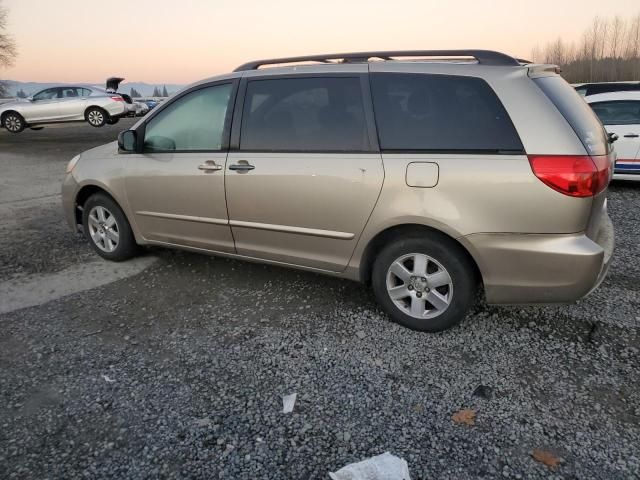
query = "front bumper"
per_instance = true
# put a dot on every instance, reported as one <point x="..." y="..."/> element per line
<point x="69" y="192"/>
<point x="546" y="268"/>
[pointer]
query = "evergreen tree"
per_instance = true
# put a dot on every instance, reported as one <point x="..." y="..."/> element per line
<point x="21" y="94"/>
<point x="135" y="93"/>
<point x="164" y="91"/>
<point x="156" y="92"/>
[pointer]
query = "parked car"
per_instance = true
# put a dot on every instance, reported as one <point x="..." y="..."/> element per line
<point x="587" y="89"/>
<point x="151" y="103"/>
<point x="620" y="114"/>
<point x="141" y="109"/>
<point x="65" y="103"/>
<point x="112" y="85"/>
<point x="426" y="179"/>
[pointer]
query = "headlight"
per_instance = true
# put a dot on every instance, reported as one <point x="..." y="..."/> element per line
<point x="71" y="165"/>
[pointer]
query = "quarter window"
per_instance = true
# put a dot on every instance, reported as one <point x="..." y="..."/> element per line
<point x="304" y="114"/>
<point x="421" y="112"/>
<point x="618" y="112"/>
<point x="195" y="121"/>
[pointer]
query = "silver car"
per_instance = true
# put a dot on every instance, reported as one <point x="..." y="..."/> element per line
<point x="64" y="103"/>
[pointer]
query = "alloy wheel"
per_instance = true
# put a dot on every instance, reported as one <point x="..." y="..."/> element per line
<point x="13" y="123"/>
<point x="419" y="286"/>
<point x="95" y="117"/>
<point x="103" y="229"/>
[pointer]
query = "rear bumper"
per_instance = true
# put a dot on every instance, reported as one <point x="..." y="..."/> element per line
<point x="116" y="109"/>
<point x="529" y="269"/>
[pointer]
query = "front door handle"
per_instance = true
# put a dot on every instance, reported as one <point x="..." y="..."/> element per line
<point x="241" y="167"/>
<point x="209" y="166"/>
<point x="631" y="135"/>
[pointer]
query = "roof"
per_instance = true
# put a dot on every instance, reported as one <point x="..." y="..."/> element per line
<point x="611" y="96"/>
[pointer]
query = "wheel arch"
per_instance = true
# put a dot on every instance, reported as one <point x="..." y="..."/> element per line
<point x="7" y="112"/>
<point x="83" y="195"/>
<point x="93" y="105"/>
<point x="392" y="233"/>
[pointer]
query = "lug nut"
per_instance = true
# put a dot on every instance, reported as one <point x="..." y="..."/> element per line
<point x="410" y="287"/>
<point x="418" y="294"/>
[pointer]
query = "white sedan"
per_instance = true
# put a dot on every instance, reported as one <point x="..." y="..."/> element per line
<point x="65" y="103"/>
<point x="619" y="112"/>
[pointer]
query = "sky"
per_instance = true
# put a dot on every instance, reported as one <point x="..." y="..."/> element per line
<point x="169" y="41"/>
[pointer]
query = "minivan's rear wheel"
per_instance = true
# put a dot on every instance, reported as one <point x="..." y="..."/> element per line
<point x="13" y="122"/>
<point x="107" y="228"/>
<point x="423" y="283"/>
<point x="96" y="117"/>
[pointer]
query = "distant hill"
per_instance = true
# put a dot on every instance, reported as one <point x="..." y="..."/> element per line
<point x="145" y="89"/>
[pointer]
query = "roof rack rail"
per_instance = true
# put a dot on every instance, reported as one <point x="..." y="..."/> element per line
<point x="484" y="57"/>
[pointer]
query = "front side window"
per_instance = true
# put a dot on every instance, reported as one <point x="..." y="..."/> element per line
<point x="421" y="112"/>
<point x="194" y="121"/>
<point x="48" y="94"/>
<point x="304" y="114"/>
<point x="618" y="112"/>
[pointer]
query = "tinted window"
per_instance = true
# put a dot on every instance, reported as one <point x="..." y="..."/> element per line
<point x="192" y="122"/>
<point x="618" y="112"/>
<point x="577" y="112"/>
<point x="304" y="114"/>
<point x="440" y="113"/>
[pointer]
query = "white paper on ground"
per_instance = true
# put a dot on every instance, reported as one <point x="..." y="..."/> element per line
<point x="380" y="467"/>
<point x="288" y="401"/>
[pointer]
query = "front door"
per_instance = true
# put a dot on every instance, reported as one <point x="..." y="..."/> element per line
<point x="306" y="177"/>
<point x="175" y="188"/>
<point x="44" y="107"/>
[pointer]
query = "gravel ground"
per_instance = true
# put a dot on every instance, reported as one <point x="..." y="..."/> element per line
<point x="180" y="371"/>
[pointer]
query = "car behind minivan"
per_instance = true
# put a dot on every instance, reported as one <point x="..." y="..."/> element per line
<point x="431" y="175"/>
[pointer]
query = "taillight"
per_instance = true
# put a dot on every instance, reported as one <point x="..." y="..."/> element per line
<point x="573" y="175"/>
<point x="117" y="98"/>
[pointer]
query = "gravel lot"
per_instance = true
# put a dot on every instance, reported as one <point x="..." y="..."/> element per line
<point x="179" y="371"/>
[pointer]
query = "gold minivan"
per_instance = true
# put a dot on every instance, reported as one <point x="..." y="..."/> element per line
<point x="431" y="175"/>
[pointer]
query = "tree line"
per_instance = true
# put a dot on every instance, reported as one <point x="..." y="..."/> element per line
<point x="608" y="50"/>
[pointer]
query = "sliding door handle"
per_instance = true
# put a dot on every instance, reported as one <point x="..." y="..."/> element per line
<point x="241" y="167"/>
<point x="631" y="135"/>
<point x="210" y="166"/>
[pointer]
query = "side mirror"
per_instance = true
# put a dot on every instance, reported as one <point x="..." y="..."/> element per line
<point x="128" y="141"/>
<point x="612" y="137"/>
<point x="29" y="99"/>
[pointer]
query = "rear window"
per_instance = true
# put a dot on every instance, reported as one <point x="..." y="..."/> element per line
<point x="421" y="112"/>
<point x="577" y="112"/>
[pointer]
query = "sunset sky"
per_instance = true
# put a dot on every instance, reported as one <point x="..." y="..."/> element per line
<point x="173" y="41"/>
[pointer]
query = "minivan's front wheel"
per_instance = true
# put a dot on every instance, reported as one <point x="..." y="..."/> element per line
<point x="424" y="283"/>
<point x="96" y="117"/>
<point x="13" y="122"/>
<point x="107" y="228"/>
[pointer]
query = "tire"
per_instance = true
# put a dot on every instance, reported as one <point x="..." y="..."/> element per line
<point x="113" y="120"/>
<point x="435" y="270"/>
<point x="13" y="122"/>
<point x="107" y="229"/>
<point x="96" y="116"/>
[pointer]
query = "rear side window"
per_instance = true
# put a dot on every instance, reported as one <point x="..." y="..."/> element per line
<point x="577" y="112"/>
<point x="623" y="112"/>
<point x="440" y="113"/>
<point x="304" y="114"/>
